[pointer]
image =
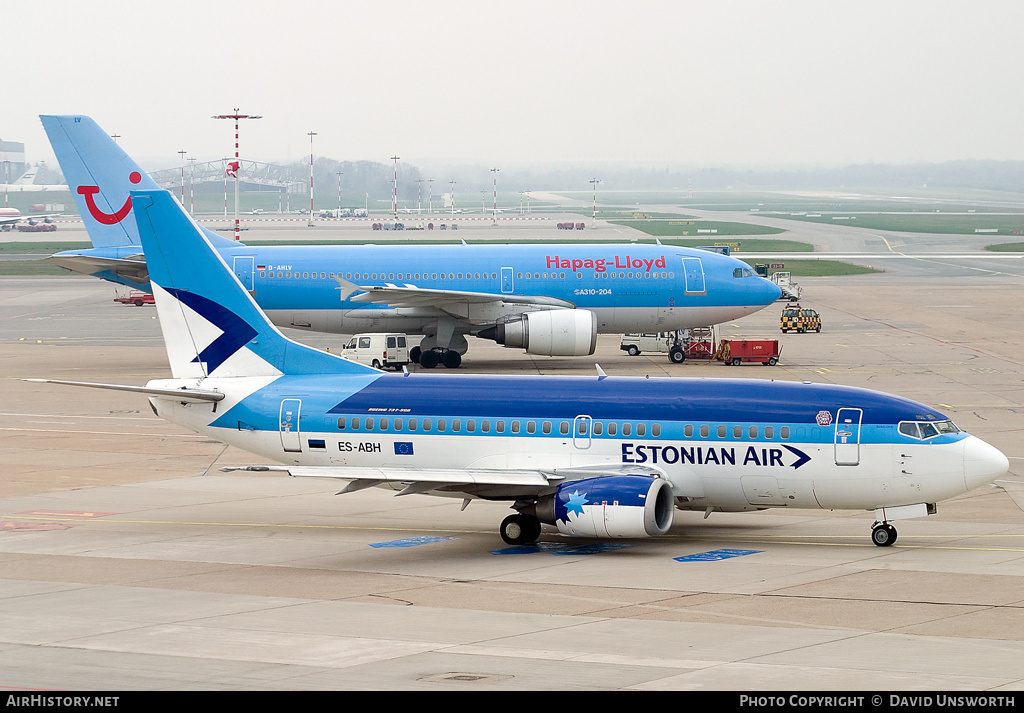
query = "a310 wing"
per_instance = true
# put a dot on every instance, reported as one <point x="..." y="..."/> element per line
<point x="412" y="296"/>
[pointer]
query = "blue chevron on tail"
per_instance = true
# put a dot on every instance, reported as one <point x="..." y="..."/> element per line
<point x="211" y="325"/>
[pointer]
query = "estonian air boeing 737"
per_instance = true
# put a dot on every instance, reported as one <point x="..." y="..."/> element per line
<point x="546" y="299"/>
<point x="591" y="456"/>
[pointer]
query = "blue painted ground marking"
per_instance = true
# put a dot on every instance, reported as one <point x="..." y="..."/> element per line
<point x="412" y="542"/>
<point x="593" y="549"/>
<point x="716" y="555"/>
<point x="562" y="548"/>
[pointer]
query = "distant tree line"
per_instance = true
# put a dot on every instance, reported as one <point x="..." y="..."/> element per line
<point x="362" y="177"/>
<point x="975" y="174"/>
<point x="358" y="177"/>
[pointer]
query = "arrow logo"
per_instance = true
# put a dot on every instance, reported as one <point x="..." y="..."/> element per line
<point x="237" y="332"/>
<point x="802" y="457"/>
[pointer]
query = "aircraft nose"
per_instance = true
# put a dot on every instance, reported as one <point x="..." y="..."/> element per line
<point x="982" y="463"/>
<point x="770" y="292"/>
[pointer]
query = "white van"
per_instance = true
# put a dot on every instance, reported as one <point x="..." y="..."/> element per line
<point x="661" y="342"/>
<point x="379" y="350"/>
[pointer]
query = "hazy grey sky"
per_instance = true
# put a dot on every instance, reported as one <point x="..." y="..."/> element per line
<point x="710" y="83"/>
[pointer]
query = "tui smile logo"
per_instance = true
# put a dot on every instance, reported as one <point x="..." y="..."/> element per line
<point x="88" y="192"/>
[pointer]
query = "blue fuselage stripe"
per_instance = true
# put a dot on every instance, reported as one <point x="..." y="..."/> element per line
<point x="588" y="276"/>
<point x="808" y="410"/>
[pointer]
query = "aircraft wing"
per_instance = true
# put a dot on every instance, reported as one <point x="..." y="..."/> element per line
<point x="132" y="267"/>
<point x="30" y="219"/>
<point x="411" y="296"/>
<point x="478" y="482"/>
<point x="497" y="484"/>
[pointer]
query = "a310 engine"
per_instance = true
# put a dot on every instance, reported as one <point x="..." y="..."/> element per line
<point x="613" y="506"/>
<point x="565" y="332"/>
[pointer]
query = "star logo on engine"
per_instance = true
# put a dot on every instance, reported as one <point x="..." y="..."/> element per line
<point x="576" y="502"/>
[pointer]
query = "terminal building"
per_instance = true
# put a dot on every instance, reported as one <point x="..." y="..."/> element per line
<point x="12" y="161"/>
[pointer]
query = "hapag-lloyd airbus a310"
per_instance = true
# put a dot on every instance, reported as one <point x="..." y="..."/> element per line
<point x="547" y="299"/>
<point x="594" y="456"/>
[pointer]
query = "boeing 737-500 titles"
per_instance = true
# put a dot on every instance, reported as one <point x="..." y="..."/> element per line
<point x="546" y="299"/>
<point x="596" y="456"/>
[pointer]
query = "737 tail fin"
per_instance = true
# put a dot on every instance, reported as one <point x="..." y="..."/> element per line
<point x="211" y="325"/>
<point x="100" y="176"/>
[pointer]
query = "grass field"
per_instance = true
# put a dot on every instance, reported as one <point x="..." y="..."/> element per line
<point x="943" y="223"/>
<point x="860" y="200"/>
<point x="761" y="245"/>
<point x="679" y="226"/>
<point x="27" y="268"/>
<point x="40" y="248"/>
<point x="818" y="268"/>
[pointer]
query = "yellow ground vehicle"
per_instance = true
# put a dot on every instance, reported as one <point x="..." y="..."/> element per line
<point x="799" y="319"/>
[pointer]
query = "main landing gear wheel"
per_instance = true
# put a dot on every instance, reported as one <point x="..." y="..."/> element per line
<point x="520" y="529"/>
<point x="676" y="355"/>
<point x="883" y="534"/>
<point x="432" y="357"/>
<point x="414" y="355"/>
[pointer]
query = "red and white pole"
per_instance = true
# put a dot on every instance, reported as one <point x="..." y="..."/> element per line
<point x="394" y="198"/>
<point x="495" y="217"/>
<point x="311" y="135"/>
<point x="237" y="166"/>
<point x="182" y="154"/>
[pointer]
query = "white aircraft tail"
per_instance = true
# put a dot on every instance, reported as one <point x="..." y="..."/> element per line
<point x="211" y="325"/>
<point x="28" y="178"/>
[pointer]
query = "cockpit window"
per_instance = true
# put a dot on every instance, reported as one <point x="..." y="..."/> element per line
<point x="922" y="430"/>
<point x="742" y="272"/>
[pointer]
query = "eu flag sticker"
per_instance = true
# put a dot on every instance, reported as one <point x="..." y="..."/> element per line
<point x="403" y="448"/>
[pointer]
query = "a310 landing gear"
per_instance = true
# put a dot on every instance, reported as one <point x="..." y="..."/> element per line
<point x="520" y="529"/>
<point x="429" y="358"/>
<point x="883" y="534"/>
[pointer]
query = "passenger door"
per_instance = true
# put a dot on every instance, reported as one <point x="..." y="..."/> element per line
<point x="290" y="440"/>
<point x="847" y="436"/>
<point x="694" y="272"/>
<point x="244" y="268"/>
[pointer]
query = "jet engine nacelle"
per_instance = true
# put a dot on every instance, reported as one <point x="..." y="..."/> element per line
<point x="613" y="506"/>
<point x="565" y="332"/>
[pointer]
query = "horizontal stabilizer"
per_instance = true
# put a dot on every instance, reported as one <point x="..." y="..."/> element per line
<point x="189" y="395"/>
<point x="132" y="268"/>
